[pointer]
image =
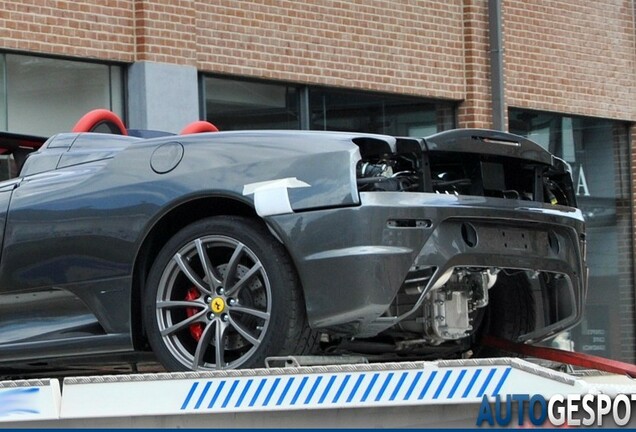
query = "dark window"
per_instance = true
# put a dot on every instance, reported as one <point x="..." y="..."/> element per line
<point x="235" y="104"/>
<point x="45" y="96"/>
<point x="3" y="94"/>
<point x="238" y="105"/>
<point x="598" y="151"/>
<point x="367" y="112"/>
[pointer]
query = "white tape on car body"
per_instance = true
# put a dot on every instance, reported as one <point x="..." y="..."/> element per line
<point x="271" y="197"/>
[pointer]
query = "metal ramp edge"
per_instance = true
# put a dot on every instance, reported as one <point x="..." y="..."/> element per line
<point x="290" y="388"/>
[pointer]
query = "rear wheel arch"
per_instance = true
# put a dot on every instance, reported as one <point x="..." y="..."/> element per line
<point x="162" y="231"/>
<point x="223" y="292"/>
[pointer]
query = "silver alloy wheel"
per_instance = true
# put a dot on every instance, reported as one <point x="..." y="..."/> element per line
<point x="213" y="303"/>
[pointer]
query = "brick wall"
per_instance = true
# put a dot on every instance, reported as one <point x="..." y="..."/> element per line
<point x="571" y="56"/>
<point x="166" y="31"/>
<point x="87" y="29"/>
<point x="560" y="55"/>
<point x="413" y="47"/>
<point x="476" y="109"/>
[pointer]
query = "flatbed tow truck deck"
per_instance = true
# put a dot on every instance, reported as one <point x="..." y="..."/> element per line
<point x="443" y="393"/>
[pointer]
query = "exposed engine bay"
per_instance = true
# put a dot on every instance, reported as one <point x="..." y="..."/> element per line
<point x="451" y="311"/>
<point x="464" y="174"/>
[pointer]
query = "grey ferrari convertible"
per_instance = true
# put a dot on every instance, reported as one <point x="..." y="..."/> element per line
<point x="215" y="250"/>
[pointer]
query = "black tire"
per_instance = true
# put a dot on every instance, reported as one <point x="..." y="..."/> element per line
<point x="510" y="313"/>
<point x="249" y="298"/>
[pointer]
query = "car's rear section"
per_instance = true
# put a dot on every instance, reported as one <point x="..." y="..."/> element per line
<point x="236" y="246"/>
<point x="465" y="232"/>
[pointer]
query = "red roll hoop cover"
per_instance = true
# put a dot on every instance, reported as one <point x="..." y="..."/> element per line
<point x="199" y="126"/>
<point x="96" y="117"/>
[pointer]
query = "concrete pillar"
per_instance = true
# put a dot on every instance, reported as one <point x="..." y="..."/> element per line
<point x="162" y="96"/>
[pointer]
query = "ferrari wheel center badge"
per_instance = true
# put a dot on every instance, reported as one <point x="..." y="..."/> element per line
<point x="217" y="305"/>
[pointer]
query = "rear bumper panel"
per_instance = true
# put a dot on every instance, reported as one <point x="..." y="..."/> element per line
<point x="352" y="261"/>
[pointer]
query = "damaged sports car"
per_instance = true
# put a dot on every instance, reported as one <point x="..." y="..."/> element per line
<point x="216" y="250"/>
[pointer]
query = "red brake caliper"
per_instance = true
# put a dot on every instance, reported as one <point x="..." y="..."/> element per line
<point x="196" y="329"/>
